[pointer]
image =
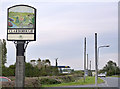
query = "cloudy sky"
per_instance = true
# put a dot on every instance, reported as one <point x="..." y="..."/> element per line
<point x="61" y="28"/>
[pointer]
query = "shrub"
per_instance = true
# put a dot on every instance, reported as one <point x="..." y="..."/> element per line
<point x="49" y="81"/>
<point x="31" y="82"/>
<point x="68" y="78"/>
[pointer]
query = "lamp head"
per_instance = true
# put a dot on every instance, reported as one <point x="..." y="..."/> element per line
<point x="107" y="45"/>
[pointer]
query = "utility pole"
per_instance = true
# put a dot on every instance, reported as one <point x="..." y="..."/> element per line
<point x="90" y="65"/>
<point x="96" y="65"/>
<point x="56" y="62"/>
<point x="87" y="61"/>
<point x="1" y="61"/>
<point x="84" y="58"/>
<point x="90" y="69"/>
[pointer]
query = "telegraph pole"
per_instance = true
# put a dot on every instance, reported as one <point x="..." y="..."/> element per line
<point x="84" y="58"/>
<point x="90" y="69"/>
<point x="1" y="61"/>
<point x="56" y="62"/>
<point x="87" y="61"/>
<point x="87" y="72"/>
<point x="96" y="64"/>
<point x="90" y="64"/>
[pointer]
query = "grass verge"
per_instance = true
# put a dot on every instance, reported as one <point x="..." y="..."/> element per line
<point x="114" y="76"/>
<point x="89" y="80"/>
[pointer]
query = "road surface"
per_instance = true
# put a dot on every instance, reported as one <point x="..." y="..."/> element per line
<point x="109" y="82"/>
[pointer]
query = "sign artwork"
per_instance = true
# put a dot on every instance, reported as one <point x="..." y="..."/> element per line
<point x="21" y="23"/>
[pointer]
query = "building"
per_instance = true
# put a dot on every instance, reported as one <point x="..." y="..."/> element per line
<point x="33" y="62"/>
<point x="65" y="69"/>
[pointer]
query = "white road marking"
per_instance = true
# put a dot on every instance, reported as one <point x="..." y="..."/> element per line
<point x="105" y="82"/>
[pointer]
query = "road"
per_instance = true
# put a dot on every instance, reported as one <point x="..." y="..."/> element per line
<point x="109" y="82"/>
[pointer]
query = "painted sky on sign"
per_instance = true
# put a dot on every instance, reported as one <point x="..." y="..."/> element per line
<point x="61" y="28"/>
<point x="22" y="9"/>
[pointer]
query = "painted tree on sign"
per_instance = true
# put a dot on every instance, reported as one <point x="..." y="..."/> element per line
<point x="33" y="20"/>
<point x="17" y="20"/>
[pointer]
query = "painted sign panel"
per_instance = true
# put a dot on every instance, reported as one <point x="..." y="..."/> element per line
<point x="21" y="23"/>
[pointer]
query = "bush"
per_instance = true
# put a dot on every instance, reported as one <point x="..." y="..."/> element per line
<point x="79" y="72"/>
<point x="49" y="81"/>
<point x="31" y="82"/>
<point x="68" y="78"/>
<point x="6" y="71"/>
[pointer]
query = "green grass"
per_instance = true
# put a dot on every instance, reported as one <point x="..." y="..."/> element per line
<point x="114" y="76"/>
<point x="89" y="80"/>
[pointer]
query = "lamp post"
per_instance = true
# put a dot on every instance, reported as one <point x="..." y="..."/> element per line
<point x="98" y="55"/>
<point x="101" y="47"/>
<point x="96" y="58"/>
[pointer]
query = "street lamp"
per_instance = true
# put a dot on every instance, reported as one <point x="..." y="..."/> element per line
<point x="98" y="55"/>
<point x="96" y="58"/>
<point x="101" y="47"/>
<point x="97" y="61"/>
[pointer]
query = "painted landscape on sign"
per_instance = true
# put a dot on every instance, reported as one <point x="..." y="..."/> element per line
<point x="21" y="17"/>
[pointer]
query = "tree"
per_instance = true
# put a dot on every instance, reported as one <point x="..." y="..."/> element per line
<point x="17" y="20"/>
<point x="4" y="52"/>
<point x="33" y="62"/>
<point x="8" y="71"/>
<point x="47" y="62"/>
<point x="29" y="70"/>
<point x="111" y="68"/>
<point x="43" y="63"/>
<point x="39" y="65"/>
<point x="24" y="18"/>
